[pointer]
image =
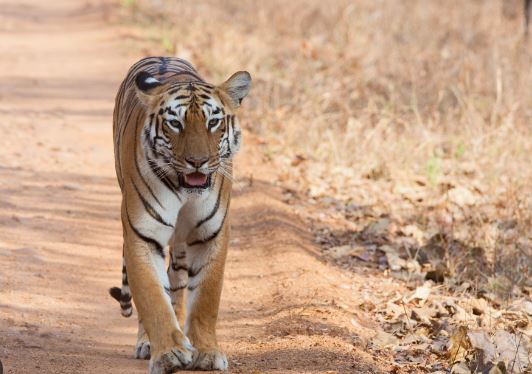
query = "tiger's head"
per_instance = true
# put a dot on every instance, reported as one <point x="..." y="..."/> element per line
<point x="191" y="131"/>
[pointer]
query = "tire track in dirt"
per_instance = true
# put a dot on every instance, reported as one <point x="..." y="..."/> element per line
<point x="60" y="232"/>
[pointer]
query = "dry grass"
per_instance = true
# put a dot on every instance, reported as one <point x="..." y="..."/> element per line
<point x="356" y="84"/>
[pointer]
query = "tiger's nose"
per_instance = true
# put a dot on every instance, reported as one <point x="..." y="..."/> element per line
<point x="197" y="162"/>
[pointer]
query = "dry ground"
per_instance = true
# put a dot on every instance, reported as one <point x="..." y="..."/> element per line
<point x="377" y="133"/>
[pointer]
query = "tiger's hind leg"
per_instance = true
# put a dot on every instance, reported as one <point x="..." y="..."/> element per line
<point x="123" y="296"/>
<point x="142" y="348"/>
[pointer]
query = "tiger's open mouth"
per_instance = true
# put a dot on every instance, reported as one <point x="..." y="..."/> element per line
<point x="195" y="180"/>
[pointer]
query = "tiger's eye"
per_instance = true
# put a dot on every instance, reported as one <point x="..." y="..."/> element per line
<point x="174" y="123"/>
<point x="213" y="123"/>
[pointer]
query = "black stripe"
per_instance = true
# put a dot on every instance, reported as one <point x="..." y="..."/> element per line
<point x="214" y="234"/>
<point x="146" y="183"/>
<point x="181" y="97"/>
<point x="164" y="179"/>
<point x="236" y="137"/>
<point x="121" y="132"/>
<point x="179" y="267"/>
<point x="176" y="74"/>
<point x="163" y="65"/>
<point x="181" y="85"/>
<point x="193" y="273"/>
<point x="170" y="111"/>
<point x="151" y="211"/>
<point x="138" y="168"/>
<point x="157" y="125"/>
<point x="186" y="63"/>
<point x="175" y="89"/>
<point x="155" y="243"/>
<point x="175" y="289"/>
<point x="216" y="206"/>
<point x="204" y="85"/>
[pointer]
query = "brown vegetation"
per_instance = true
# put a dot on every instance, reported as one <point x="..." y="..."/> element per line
<point x="402" y="128"/>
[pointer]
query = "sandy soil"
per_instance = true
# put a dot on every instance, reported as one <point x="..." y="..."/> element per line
<point x="283" y="308"/>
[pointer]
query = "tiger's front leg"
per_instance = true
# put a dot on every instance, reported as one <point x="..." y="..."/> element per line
<point x="169" y="347"/>
<point x="178" y="277"/>
<point x="205" y="272"/>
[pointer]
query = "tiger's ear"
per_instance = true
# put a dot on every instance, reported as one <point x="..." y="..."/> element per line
<point x="147" y="87"/>
<point x="237" y="87"/>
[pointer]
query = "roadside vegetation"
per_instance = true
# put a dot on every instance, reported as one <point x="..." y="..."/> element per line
<point x="402" y="133"/>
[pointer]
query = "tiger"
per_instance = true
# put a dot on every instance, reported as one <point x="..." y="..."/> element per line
<point x="175" y="136"/>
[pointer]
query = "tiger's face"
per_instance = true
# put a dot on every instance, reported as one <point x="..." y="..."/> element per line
<point x="191" y="131"/>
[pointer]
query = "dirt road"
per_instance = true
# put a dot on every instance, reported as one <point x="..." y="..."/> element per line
<point x="283" y="309"/>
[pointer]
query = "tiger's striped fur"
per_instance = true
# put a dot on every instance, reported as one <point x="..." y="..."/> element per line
<point x="175" y="136"/>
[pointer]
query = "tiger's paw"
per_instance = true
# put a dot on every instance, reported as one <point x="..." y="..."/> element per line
<point x="142" y="349"/>
<point x="171" y="360"/>
<point x="209" y="360"/>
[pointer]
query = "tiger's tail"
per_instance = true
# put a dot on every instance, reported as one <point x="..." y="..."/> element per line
<point x="123" y="295"/>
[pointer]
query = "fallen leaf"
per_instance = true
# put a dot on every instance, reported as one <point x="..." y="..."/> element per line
<point x="414" y="338"/>
<point x="413" y="231"/>
<point x="500" y="368"/>
<point x="480" y="340"/>
<point x="523" y="305"/>
<point x="460" y="345"/>
<point x="378" y="228"/>
<point x="460" y="368"/>
<point x="458" y="313"/>
<point x="512" y="350"/>
<point x="461" y="196"/>
<point x="393" y="310"/>
<point x="527" y="307"/>
<point x="367" y="306"/>
<point x="385" y="340"/>
<point x="478" y="306"/>
<point x="340" y="251"/>
<point x="421" y="293"/>
<point x="395" y="262"/>
<point x="439" y="345"/>
<point x="424" y="314"/>
<point x="363" y="254"/>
